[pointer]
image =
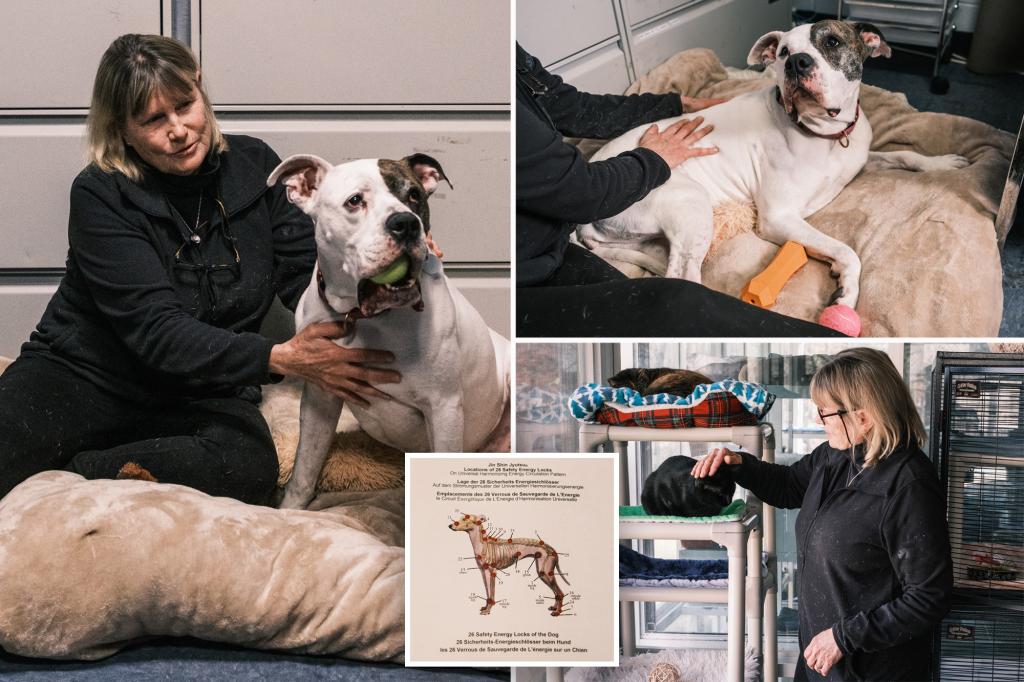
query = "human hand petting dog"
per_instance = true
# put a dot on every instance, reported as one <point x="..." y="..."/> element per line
<point x="676" y="142"/>
<point x="713" y="460"/>
<point x="822" y="653"/>
<point x="313" y="355"/>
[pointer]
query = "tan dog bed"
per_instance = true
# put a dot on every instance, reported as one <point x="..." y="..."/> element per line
<point x="88" y="567"/>
<point x="927" y="241"/>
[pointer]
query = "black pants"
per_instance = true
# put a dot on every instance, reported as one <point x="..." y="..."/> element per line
<point x="588" y="297"/>
<point x="52" y="418"/>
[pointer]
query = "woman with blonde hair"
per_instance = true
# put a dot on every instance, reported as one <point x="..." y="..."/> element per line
<point x="148" y="359"/>
<point x="874" y="567"/>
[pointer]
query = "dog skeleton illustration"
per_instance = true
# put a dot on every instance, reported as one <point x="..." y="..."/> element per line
<point x="494" y="553"/>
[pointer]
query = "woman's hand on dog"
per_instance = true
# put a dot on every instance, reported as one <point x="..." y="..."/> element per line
<point x="675" y="142"/>
<point x="348" y="373"/>
<point x="714" y="459"/>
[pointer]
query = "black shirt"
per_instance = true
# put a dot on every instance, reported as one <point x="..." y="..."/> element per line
<point x="873" y="556"/>
<point x="152" y="316"/>
<point x="555" y="186"/>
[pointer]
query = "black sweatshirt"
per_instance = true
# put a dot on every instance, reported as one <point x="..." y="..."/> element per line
<point x="873" y="556"/>
<point x="145" y="313"/>
<point x="555" y="186"/>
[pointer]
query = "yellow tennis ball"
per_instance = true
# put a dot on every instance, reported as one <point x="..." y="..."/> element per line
<point x="394" y="272"/>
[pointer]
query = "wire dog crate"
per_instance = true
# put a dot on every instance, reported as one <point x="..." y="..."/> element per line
<point x="977" y="444"/>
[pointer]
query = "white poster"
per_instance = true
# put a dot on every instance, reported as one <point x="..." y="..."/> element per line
<point x="511" y="560"/>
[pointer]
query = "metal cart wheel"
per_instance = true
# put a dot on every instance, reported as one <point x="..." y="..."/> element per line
<point x="939" y="85"/>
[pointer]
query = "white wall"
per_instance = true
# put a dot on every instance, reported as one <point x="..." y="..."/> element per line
<point x="342" y="80"/>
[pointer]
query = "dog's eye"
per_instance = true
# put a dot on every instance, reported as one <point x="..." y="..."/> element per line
<point x="414" y="196"/>
<point x="355" y="201"/>
<point x="832" y="41"/>
<point x="784" y="52"/>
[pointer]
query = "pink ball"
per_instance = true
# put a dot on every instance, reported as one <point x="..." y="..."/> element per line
<point x="842" y="318"/>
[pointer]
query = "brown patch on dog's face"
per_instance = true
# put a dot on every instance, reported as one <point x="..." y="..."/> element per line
<point x="402" y="182"/>
<point x="840" y="45"/>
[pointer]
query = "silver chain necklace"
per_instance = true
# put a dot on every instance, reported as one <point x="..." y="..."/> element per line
<point x="195" y="232"/>
<point x="851" y="479"/>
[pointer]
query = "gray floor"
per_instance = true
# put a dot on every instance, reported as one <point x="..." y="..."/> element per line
<point x="995" y="99"/>
<point x="189" y="659"/>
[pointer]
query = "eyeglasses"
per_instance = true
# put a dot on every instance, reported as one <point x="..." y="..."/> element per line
<point x="208" y="274"/>
<point x="822" y="416"/>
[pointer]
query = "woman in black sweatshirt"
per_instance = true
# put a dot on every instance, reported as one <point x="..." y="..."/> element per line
<point x="148" y="360"/>
<point x="874" y="567"/>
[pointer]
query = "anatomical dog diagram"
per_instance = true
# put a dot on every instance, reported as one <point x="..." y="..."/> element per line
<point x="494" y="553"/>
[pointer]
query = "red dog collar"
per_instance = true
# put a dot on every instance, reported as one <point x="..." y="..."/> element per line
<point x="843" y="135"/>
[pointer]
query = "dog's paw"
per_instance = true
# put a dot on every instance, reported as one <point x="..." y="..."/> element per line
<point x="946" y="162"/>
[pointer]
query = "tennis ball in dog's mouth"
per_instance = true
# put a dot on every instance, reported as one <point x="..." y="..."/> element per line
<point x="394" y="272"/>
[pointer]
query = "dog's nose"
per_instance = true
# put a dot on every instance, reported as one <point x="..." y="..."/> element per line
<point x="402" y="226"/>
<point x="799" y="64"/>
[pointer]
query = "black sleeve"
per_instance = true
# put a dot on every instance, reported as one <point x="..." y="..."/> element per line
<point x="555" y="181"/>
<point x="127" y="280"/>
<point x="581" y="114"/>
<point x="916" y="537"/>
<point x="776" y="484"/>
<point x="294" y="242"/>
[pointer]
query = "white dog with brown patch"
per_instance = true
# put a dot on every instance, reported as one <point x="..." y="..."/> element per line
<point x="789" y="150"/>
<point x="374" y="266"/>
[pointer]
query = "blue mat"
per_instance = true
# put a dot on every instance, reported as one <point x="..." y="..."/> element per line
<point x="192" y="659"/>
<point x="633" y="564"/>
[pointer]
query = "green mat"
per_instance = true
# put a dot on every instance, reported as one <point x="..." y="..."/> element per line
<point x="733" y="512"/>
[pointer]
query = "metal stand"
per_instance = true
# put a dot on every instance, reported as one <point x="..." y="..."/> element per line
<point x="751" y="596"/>
<point x="918" y="22"/>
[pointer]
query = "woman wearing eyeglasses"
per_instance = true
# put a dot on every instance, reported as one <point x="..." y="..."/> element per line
<point x="148" y="361"/>
<point x="875" y="572"/>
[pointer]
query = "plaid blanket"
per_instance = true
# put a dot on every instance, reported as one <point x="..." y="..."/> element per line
<point x="723" y="403"/>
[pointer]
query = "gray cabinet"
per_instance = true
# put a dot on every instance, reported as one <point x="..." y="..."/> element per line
<point x="385" y="52"/>
<point x="51" y="47"/>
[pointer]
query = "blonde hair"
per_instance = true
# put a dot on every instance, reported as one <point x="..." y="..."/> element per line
<point x="865" y="379"/>
<point x="132" y="71"/>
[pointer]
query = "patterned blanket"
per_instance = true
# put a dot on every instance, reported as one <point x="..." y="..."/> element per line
<point x="588" y="400"/>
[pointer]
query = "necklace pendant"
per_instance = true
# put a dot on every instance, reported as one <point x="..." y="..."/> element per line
<point x="195" y="238"/>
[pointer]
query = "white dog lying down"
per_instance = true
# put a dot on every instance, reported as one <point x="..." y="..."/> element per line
<point x="789" y="150"/>
<point x="371" y="223"/>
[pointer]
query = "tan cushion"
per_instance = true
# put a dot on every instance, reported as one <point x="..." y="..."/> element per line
<point x="86" y="567"/>
<point x="927" y="241"/>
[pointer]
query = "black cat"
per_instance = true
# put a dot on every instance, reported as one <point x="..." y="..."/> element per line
<point x="670" y="490"/>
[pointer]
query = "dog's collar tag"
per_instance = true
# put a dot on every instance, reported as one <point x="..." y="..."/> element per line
<point x="432" y="265"/>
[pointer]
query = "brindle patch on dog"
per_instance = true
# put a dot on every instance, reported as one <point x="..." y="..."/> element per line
<point x="849" y="55"/>
<point x="403" y="183"/>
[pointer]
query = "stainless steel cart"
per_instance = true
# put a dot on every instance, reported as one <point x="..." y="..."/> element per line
<point x="910" y="24"/>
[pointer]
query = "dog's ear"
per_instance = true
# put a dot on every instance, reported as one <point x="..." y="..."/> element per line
<point x="302" y="175"/>
<point x="764" y="49"/>
<point x="873" y="40"/>
<point x="428" y="171"/>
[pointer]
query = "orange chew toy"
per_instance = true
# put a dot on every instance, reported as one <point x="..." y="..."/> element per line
<point x="762" y="290"/>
